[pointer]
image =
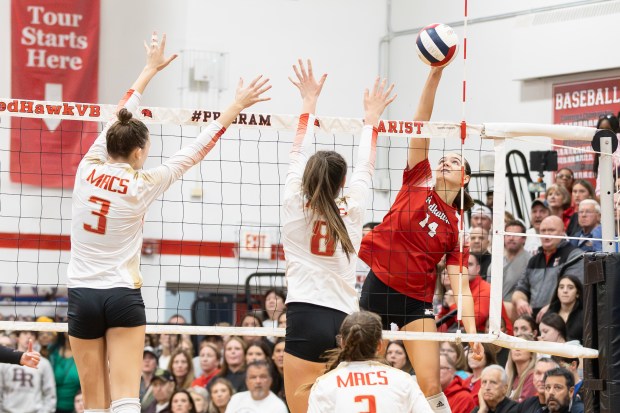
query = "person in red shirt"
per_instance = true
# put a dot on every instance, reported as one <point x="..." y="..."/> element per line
<point x="458" y="396"/>
<point x="421" y="227"/>
<point x="481" y="293"/>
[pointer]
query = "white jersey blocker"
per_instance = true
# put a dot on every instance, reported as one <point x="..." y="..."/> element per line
<point x="324" y="280"/>
<point x="366" y="386"/>
<point x="110" y="201"/>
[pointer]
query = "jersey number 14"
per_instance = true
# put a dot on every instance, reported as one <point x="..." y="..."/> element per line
<point x="432" y="226"/>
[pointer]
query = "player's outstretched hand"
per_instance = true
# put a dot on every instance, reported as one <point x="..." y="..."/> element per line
<point x="155" y="53"/>
<point x="308" y="86"/>
<point x="248" y="95"/>
<point x="376" y="100"/>
<point x="30" y="358"/>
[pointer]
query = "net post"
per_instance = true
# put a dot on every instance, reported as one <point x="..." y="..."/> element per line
<point x="607" y="193"/>
<point x="497" y="246"/>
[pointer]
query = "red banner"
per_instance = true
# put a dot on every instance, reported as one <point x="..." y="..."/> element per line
<point x="581" y="104"/>
<point x="55" y="56"/>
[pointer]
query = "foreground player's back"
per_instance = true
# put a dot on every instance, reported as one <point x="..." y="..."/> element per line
<point x="366" y="386"/>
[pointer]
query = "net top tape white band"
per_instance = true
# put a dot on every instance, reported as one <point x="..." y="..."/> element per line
<point x="503" y="340"/>
<point x="198" y="117"/>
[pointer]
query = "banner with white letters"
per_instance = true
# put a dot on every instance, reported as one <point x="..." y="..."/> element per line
<point x="55" y="57"/>
<point x="582" y="104"/>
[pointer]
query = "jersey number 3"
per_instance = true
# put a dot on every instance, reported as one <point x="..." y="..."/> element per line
<point x="372" y="403"/>
<point x="101" y="214"/>
<point x="320" y="244"/>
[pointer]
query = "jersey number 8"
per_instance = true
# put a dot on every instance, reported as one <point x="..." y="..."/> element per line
<point x="320" y="244"/>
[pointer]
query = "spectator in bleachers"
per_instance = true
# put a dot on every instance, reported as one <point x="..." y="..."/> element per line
<point x="472" y="383"/>
<point x="273" y="307"/>
<point x="489" y="201"/>
<point x="258" y="397"/>
<point x="78" y="403"/>
<point x="200" y="397"/>
<point x="572" y="365"/>
<point x="167" y="344"/>
<point x="46" y="339"/>
<point x="182" y="368"/>
<point x="178" y="320"/>
<point x="552" y="328"/>
<point x="233" y="363"/>
<point x="220" y="394"/>
<point x="28" y="358"/>
<point x="149" y="367"/>
<point x="559" y="389"/>
<point x="538" y="212"/>
<point x="534" y="291"/>
<point x="479" y="246"/>
<point x="525" y="325"/>
<point x="493" y="393"/>
<point x="282" y="320"/>
<point x="209" y="364"/>
<point x="458" y="396"/>
<point x="252" y="319"/>
<point x="565" y="177"/>
<point x="567" y="302"/>
<point x="361" y="268"/>
<point x="65" y="374"/>
<point x="278" y="361"/>
<point x="163" y="386"/>
<point x="515" y="260"/>
<point x="481" y="216"/>
<point x="259" y="350"/>
<point x="481" y="294"/>
<point x="582" y="190"/>
<point x="396" y="356"/>
<point x="24" y="389"/>
<point x="537" y="403"/>
<point x="181" y="402"/>
<point x="186" y="345"/>
<point x="520" y="369"/>
<point x="559" y="201"/>
<point x="589" y="227"/>
<point x="456" y="354"/>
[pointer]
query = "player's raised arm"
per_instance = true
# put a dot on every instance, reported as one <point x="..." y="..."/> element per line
<point x="418" y="148"/>
<point x="310" y="90"/>
<point x="155" y="62"/>
<point x="375" y="101"/>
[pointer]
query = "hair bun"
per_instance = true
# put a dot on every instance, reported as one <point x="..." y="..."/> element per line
<point x="124" y="116"/>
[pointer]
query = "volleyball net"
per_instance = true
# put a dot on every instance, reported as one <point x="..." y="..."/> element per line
<point x="212" y="243"/>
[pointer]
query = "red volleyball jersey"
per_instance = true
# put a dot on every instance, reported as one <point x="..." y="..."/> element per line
<point x="415" y="234"/>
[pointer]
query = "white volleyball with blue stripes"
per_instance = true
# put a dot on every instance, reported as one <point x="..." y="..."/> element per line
<point x="437" y="44"/>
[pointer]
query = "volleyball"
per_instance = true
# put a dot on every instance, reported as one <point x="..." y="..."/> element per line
<point x="437" y="44"/>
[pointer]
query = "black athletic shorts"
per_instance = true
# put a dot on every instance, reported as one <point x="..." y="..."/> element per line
<point x="311" y="330"/>
<point x="93" y="311"/>
<point x="393" y="306"/>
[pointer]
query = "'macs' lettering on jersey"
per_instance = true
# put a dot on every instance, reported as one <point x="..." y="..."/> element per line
<point x="106" y="182"/>
<point x="371" y="378"/>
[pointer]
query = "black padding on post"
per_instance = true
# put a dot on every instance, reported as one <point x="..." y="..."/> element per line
<point x="602" y="331"/>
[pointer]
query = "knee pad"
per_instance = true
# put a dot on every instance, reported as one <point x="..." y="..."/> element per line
<point x="439" y="403"/>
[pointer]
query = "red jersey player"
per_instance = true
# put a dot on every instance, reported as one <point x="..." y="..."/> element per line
<point x="421" y="227"/>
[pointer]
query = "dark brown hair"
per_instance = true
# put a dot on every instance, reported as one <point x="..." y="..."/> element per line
<point x="321" y="182"/>
<point x="468" y="201"/>
<point x="125" y="135"/>
<point x="360" y="335"/>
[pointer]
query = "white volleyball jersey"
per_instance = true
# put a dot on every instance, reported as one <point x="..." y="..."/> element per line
<point x="367" y="386"/>
<point x="109" y="204"/>
<point x="316" y="272"/>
